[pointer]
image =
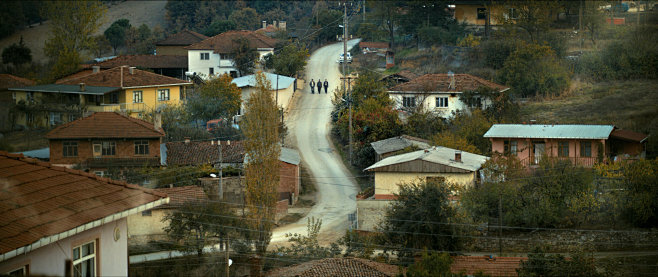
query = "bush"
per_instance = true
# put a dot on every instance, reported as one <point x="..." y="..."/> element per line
<point x="496" y="51"/>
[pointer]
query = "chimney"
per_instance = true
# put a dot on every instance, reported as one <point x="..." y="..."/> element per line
<point x="83" y="87"/>
<point x="212" y="142"/>
<point x="282" y="25"/>
<point x="131" y="70"/>
<point x="452" y="80"/>
<point x="264" y="24"/>
<point x="228" y="142"/>
<point x="157" y="121"/>
<point x="187" y="140"/>
<point x="532" y="121"/>
<point x="458" y="156"/>
<point x="96" y="68"/>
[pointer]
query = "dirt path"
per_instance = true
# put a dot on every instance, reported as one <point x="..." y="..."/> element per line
<point x="309" y="122"/>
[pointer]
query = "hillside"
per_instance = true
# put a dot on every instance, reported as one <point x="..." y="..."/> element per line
<point x="151" y="13"/>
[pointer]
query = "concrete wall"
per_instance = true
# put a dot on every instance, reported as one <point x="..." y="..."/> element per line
<point x="289" y="180"/>
<point x="142" y="228"/>
<point x="387" y="183"/>
<point x="429" y="103"/>
<point x="285" y="95"/>
<point x="111" y="255"/>
<point x="369" y="213"/>
<point x="124" y="149"/>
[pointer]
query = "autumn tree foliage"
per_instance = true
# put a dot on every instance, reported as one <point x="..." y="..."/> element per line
<point x="260" y="127"/>
<point x="244" y="56"/>
<point x="217" y="98"/>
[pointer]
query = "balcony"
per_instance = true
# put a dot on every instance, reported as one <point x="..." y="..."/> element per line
<point x="226" y="63"/>
<point x="120" y="107"/>
<point x="576" y="161"/>
<point x="121" y="162"/>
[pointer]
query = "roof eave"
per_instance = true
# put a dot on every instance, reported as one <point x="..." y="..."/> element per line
<point x="165" y="85"/>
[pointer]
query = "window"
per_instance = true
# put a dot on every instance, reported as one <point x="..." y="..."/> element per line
<point x="513" y="13"/>
<point x="482" y="13"/>
<point x="585" y="148"/>
<point x="146" y="213"/>
<point x="225" y="56"/>
<point x="563" y="149"/>
<point x="84" y="260"/>
<point x="211" y="71"/>
<point x="205" y="56"/>
<point x="114" y="98"/>
<point x="510" y="147"/>
<point x="19" y="272"/>
<point x="29" y="117"/>
<point x="99" y="173"/>
<point x="108" y="148"/>
<point x="137" y="97"/>
<point x="408" y="101"/>
<point x="477" y="102"/>
<point x="55" y="118"/>
<point x="163" y="94"/>
<point x="70" y="149"/>
<point x="13" y="95"/>
<point x="442" y="102"/>
<point x="30" y="96"/>
<point x="233" y="73"/>
<point x="71" y="117"/>
<point x="141" y="147"/>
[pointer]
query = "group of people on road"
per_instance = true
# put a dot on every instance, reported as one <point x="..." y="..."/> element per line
<point x="319" y="84"/>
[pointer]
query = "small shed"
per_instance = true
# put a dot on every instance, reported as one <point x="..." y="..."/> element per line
<point x="388" y="147"/>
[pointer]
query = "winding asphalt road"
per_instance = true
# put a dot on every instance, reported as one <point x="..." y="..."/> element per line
<point x="309" y="125"/>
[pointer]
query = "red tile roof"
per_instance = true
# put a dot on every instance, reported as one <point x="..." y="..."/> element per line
<point x="368" y="44"/>
<point x="182" y="38"/>
<point x="440" y="82"/>
<point x="143" y="61"/>
<point x="38" y="200"/>
<point x="203" y="152"/>
<point x="106" y="125"/>
<point x="112" y="78"/>
<point x="223" y="43"/>
<point x="628" y="135"/>
<point x="496" y="267"/>
<point x="181" y="195"/>
<point x="81" y="73"/>
<point x="337" y="267"/>
<point x="11" y="81"/>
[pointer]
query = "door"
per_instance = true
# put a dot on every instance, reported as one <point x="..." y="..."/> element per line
<point x="97" y="149"/>
<point x="538" y="149"/>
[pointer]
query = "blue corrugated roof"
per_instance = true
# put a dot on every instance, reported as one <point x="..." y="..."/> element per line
<point x="250" y="80"/>
<point x="549" y="131"/>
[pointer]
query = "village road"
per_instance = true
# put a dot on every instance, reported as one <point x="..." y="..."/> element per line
<point x="309" y="124"/>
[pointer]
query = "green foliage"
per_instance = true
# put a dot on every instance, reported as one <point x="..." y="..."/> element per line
<point x="369" y="86"/>
<point x="450" y="34"/>
<point x="116" y="33"/>
<point x="217" y="98"/>
<point x="452" y="140"/>
<point x="328" y="22"/>
<point x="141" y="40"/>
<point x="244" y="56"/>
<point x="17" y="14"/>
<point x="306" y="248"/>
<point x="534" y="17"/>
<point x="289" y="60"/>
<point x="370" y="122"/>
<point x="17" y="54"/>
<point x="578" y="264"/>
<point x="198" y="223"/>
<point x="502" y="108"/>
<point x="472" y="127"/>
<point x="639" y="196"/>
<point x="246" y="19"/>
<point x="431" y="265"/>
<point x="424" y="124"/>
<point x="534" y="70"/>
<point x="410" y="221"/>
<point x="357" y="244"/>
<point x="219" y="26"/>
<point x="496" y="51"/>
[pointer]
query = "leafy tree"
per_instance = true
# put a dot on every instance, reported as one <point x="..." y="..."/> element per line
<point x="496" y="51"/>
<point x="306" y="248"/>
<point x="260" y="127"/>
<point x="274" y="14"/>
<point x="328" y="25"/>
<point x="534" y="70"/>
<point x="640" y="192"/>
<point x="420" y="218"/>
<point x="72" y="26"/>
<point x="198" y="223"/>
<point x="502" y="107"/>
<point x="424" y="124"/>
<point x="534" y="17"/>
<point x="219" y="26"/>
<point x="17" y="54"/>
<point x="358" y="245"/>
<point x="579" y="264"/>
<point x="289" y="60"/>
<point x="370" y="122"/>
<point x="116" y="33"/>
<point x="593" y="19"/>
<point x="246" y="19"/>
<point x="431" y="265"/>
<point x="472" y="127"/>
<point x="369" y="86"/>
<point x="141" y="40"/>
<point x="451" y="140"/>
<point x="12" y="17"/>
<point x="100" y="46"/>
<point x="217" y="98"/>
<point x="244" y="56"/>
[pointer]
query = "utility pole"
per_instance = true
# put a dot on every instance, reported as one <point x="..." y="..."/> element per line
<point x="349" y="94"/>
<point x="226" y="251"/>
<point x="580" y="25"/>
<point x="500" y="224"/>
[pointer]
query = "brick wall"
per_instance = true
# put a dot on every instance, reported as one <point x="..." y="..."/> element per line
<point x="289" y="179"/>
<point x="124" y="149"/>
<point x="281" y="209"/>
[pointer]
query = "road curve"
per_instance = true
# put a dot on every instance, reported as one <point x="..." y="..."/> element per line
<point x="309" y="122"/>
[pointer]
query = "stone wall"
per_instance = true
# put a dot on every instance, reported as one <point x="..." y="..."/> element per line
<point x="369" y="213"/>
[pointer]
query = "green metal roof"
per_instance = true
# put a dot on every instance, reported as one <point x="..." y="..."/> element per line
<point x="58" y="88"/>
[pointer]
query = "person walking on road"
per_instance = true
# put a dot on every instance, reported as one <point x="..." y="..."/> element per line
<point x="312" y="86"/>
<point x="326" y="86"/>
<point x="319" y="86"/>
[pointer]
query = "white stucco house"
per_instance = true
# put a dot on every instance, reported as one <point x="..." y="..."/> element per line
<point x="213" y="56"/>
<point x="282" y="88"/>
<point x="439" y="93"/>
<point x="57" y="221"/>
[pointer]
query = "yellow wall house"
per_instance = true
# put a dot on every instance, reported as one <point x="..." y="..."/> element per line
<point x="120" y="89"/>
<point x="451" y="165"/>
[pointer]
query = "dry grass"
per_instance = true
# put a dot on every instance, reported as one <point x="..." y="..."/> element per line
<point x="19" y="141"/>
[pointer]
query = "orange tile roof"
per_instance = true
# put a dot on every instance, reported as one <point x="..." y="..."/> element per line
<point x="143" y="61"/>
<point x="112" y="78"/>
<point x="369" y="44"/>
<point x="223" y="43"/>
<point x="203" y="152"/>
<point x="106" y="125"/>
<point x="337" y="267"/>
<point x="11" y="81"/>
<point x="182" y="195"/>
<point x="440" y="82"/>
<point x="38" y="200"/>
<point x="81" y="73"/>
<point x="496" y="267"/>
<point x="182" y="38"/>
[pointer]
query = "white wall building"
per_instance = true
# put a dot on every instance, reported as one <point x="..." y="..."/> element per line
<point x="286" y="89"/>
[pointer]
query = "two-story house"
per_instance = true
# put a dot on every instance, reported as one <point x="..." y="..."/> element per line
<point x="213" y="56"/>
<point x="440" y="93"/>
<point x="8" y="99"/>
<point x="583" y="145"/>
<point x="168" y="65"/>
<point x="63" y="222"/>
<point x="106" y="140"/>
<point x="124" y="89"/>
